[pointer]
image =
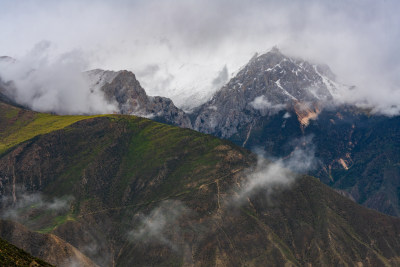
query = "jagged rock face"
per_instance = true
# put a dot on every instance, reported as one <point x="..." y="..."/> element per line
<point x="123" y="89"/>
<point x="267" y="84"/>
<point x="127" y="92"/>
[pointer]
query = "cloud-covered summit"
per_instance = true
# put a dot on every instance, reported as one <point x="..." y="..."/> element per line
<point x="180" y="48"/>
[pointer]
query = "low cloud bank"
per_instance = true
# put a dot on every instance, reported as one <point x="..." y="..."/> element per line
<point x="262" y="104"/>
<point x="23" y="206"/>
<point x="278" y="173"/>
<point x="161" y="225"/>
<point x="179" y="52"/>
<point x="49" y="83"/>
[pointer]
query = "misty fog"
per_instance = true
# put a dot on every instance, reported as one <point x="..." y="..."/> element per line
<point x="186" y="50"/>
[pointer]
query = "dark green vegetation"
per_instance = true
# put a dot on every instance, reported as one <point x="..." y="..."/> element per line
<point x="10" y="255"/>
<point x="144" y="193"/>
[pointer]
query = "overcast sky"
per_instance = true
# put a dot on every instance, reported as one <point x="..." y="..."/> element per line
<point x="181" y="47"/>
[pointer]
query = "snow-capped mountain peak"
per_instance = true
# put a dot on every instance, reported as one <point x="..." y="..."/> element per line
<point x="268" y="83"/>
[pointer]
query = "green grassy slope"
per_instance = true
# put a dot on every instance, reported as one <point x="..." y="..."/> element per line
<point x="18" y="125"/>
<point x="115" y="171"/>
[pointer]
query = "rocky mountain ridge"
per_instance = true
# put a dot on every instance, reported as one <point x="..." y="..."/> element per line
<point x="124" y="90"/>
<point x="268" y="84"/>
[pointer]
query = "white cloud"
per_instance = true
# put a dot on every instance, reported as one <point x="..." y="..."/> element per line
<point x="51" y="83"/>
<point x="279" y="173"/>
<point x="22" y="204"/>
<point x="261" y="103"/>
<point x="161" y="225"/>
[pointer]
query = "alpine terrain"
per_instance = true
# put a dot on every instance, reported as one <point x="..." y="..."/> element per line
<point x="128" y="191"/>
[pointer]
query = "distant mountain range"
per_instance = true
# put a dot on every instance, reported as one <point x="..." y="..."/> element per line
<point x="273" y="102"/>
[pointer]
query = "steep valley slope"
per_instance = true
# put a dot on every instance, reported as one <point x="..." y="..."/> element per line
<point x="11" y="255"/>
<point x="128" y="191"/>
